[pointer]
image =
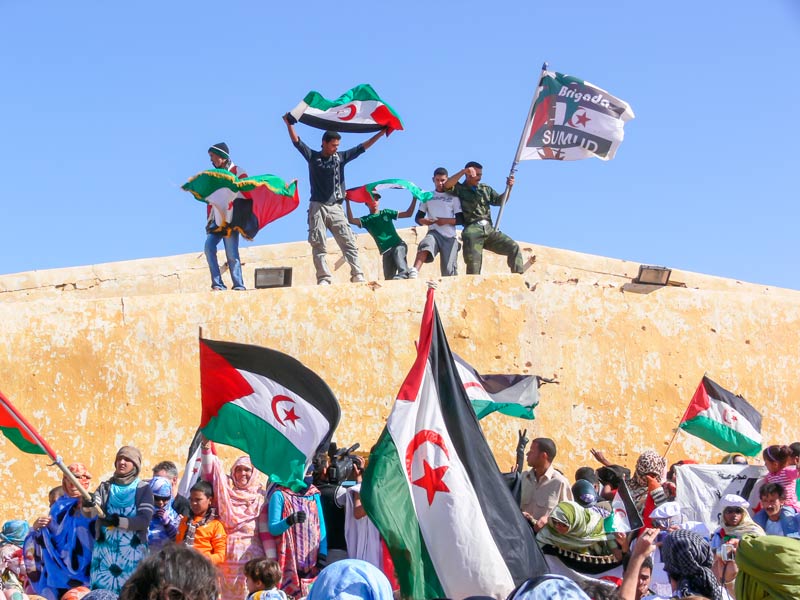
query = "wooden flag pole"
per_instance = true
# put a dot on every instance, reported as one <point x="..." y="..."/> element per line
<point x="42" y="443"/>
<point x="520" y="146"/>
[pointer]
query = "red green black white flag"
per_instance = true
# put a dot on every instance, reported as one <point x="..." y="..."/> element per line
<point x="268" y="405"/>
<point x="573" y="119"/>
<point x="434" y="491"/>
<point x="723" y="419"/>
<point x="511" y="395"/>
<point x="366" y="193"/>
<point x="19" y="432"/>
<point x="244" y="205"/>
<point x="359" y="110"/>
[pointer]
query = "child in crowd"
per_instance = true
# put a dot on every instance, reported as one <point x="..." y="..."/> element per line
<point x="164" y="524"/>
<point x="776" y="459"/>
<point x="203" y="531"/>
<point x="378" y="224"/>
<point x="263" y="578"/>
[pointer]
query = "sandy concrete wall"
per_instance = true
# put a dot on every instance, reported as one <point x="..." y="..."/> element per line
<point x="102" y="356"/>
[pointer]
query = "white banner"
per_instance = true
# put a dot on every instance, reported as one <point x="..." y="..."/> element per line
<point x="700" y="488"/>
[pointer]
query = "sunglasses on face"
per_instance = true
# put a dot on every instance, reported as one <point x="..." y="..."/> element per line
<point x="162" y="498"/>
<point x="733" y="511"/>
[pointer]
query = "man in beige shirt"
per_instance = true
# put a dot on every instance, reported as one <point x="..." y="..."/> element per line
<point x="542" y="486"/>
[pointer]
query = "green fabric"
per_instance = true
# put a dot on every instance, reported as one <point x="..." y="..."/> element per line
<point x="769" y="567"/>
<point x="475" y="201"/>
<point x="719" y="435"/>
<point x="386" y="498"/>
<point x="380" y="227"/>
<point x="363" y="93"/>
<point x="398" y="184"/>
<point x="204" y="184"/>
<point x="16" y="438"/>
<point x="586" y="533"/>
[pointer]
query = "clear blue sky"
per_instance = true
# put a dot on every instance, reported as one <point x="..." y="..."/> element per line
<point x="107" y="108"/>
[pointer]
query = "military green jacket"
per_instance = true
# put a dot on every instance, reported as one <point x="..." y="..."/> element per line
<point x="475" y="201"/>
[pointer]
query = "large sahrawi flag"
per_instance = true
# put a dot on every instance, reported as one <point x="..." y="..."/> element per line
<point x="511" y="395"/>
<point x="435" y="493"/>
<point x="244" y="205"/>
<point x="359" y="110"/>
<point x="573" y="119"/>
<point x="723" y="419"/>
<point x="365" y="193"/>
<point x="268" y="405"/>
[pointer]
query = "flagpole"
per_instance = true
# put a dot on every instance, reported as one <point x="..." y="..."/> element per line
<point x="674" y="435"/>
<point x="42" y="443"/>
<point x="521" y="145"/>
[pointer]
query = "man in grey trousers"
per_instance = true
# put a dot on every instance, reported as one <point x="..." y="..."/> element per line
<point x="325" y="213"/>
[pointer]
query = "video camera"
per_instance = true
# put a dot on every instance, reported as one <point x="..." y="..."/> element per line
<point x="341" y="467"/>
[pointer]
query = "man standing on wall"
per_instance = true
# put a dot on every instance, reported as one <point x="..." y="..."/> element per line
<point x="326" y="177"/>
<point x="476" y="201"/>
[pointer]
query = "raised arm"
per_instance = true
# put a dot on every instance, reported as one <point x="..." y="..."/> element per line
<point x="371" y="141"/>
<point x="409" y="211"/>
<point x="453" y="179"/>
<point x="290" y="127"/>
<point x="350" y="219"/>
<point x="644" y="546"/>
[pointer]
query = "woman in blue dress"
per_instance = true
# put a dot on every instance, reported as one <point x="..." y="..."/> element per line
<point x="121" y="536"/>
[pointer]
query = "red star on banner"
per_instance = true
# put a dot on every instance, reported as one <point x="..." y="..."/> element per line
<point x="582" y="119"/>
<point x="431" y="481"/>
<point x="291" y="416"/>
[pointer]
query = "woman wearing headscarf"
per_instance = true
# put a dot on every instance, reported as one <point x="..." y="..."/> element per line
<point x="649" y="472"/>
<point x="58" y="551"/>
<point x="13" y="577"/>
<point x="688" y="560"/>
<point x="349" y="579"/>
<point x="121" y="535"/>
<point x="164" y="525"/>
<point x="239" y="498"/>
<point x="769" y="568"/>
<point x="577" y="529"/>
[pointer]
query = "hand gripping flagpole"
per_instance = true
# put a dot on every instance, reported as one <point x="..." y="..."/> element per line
<point x="521" y="145"/>
<point x="42" y="443"/>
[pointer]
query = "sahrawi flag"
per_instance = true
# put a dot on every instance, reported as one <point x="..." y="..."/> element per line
<point x="268" y="405"/>
<point x="244" y="205"/>
<point x="435" y="493"/>
<point x="366" y="193"/>
<point x="511" y="395"/>
<point x="723" y="419"/>
<point x="359" y="110"/>
<point x="14" y="426"/>
<point x="573" y="119"/>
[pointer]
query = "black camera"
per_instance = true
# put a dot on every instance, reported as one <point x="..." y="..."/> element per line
<point x="341" y="467"/>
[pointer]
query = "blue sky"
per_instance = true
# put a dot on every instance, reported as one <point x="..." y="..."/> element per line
<point x="107" y="108"/>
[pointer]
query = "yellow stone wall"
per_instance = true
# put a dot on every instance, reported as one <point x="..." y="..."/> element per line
<point x="106" y="355"/>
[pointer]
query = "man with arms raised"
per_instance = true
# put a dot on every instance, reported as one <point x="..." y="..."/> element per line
<point x="326" y="177"/>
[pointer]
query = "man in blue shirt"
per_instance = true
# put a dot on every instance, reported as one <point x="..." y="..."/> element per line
<point x="326" y="177"/>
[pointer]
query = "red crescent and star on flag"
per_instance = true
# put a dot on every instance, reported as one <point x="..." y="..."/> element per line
<point x="579" y="118"/>
<point x="432" y="478"/>
<point x="348" y="115"/>
<point x="288" y="414"/>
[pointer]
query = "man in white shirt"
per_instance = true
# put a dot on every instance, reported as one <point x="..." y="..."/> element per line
<point x="441" y="214"/>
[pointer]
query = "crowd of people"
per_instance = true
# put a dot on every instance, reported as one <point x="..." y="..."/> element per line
<point x="454" y="202"/>
<point x="237" y="536"/>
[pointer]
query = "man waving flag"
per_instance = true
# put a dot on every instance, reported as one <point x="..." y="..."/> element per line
<point x="435" y="493"/>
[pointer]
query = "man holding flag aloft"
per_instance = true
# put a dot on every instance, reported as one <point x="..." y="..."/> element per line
<point x="326" y="177"/>
<point x="476" y="201"/>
